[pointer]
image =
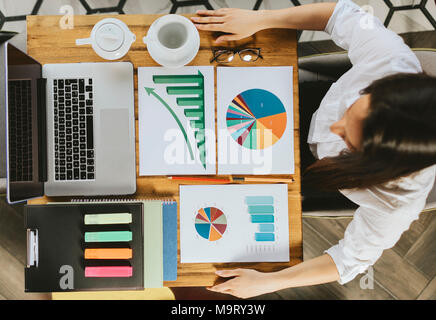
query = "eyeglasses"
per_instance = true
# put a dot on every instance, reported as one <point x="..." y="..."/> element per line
<point x="227" y="55"/>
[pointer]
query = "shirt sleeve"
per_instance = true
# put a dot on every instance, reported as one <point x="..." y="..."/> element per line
<point x="384" y="213"/>
<point x="363" y="35"/>
<point x="366" y="237"/>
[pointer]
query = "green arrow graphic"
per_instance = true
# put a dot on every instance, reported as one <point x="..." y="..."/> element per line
<point x="151" y="91"/>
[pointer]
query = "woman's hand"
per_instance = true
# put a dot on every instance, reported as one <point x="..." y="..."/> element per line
<point x="247" y="283"/>
<point x="238" y="23"/>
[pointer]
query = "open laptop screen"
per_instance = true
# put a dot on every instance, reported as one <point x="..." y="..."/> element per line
<point x="24" y="181"/>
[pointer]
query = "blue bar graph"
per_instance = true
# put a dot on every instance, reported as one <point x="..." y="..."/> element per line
<point x="261" y="210"/>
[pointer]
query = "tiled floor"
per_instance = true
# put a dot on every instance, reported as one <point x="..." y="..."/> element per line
<point x="402" y="21"/>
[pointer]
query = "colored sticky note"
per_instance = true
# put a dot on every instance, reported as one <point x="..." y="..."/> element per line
<point x="108" y="272"/>
<point x="108" y="253"/>
<point x="108" y="218"/>
<point x="108" y="236"/>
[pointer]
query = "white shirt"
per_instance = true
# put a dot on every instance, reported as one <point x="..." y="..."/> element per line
<point x="385" y="211"/>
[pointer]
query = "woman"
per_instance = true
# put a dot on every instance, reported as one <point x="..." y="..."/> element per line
<point x="374" y="133"/>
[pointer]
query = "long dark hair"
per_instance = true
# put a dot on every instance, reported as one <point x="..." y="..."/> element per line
<point x="398" y="137"/>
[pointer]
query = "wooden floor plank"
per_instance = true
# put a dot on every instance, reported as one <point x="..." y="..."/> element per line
<point x="313" y="245"/>
<point x="12" y="278"/>
<point x="332" y="229"/>
<point x="268" y="296"/>
<point x="12" y="232"/>
<point x="423" y="252"/>
<point x="398" y="276"/>
<point x="429" y="293"/>
<point x="417" y="228"/>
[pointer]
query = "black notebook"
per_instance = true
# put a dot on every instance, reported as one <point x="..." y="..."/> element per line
<point x="59" y="236"/>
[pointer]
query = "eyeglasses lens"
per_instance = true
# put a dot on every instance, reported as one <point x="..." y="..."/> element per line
<point x="224" y="56"/>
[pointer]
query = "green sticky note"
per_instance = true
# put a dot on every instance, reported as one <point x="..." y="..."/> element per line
<point x="108" y="236"/>
<point x="108" y="218"/>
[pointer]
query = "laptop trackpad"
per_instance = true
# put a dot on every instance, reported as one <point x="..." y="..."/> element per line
<point x="116" y="144"/>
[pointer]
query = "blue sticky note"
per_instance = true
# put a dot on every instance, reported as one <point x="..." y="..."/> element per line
<point x="169" y="217"/>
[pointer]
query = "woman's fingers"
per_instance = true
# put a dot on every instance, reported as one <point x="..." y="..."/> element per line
<point x="207" y="19"/>
<point x="229" y="273"/>
<point x="212" y="12"/>
<point x="223" y="287"/>
<point x="230" y="37"/>
<point x="210" y="27"/>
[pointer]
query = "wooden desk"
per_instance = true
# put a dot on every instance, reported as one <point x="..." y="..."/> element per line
<point x="48" y="43"/>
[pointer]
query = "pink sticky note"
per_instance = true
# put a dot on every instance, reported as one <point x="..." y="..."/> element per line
<point x="108" y="272"/>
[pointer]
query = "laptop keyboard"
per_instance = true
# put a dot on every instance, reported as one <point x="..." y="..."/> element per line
<point x="20" y="133"/>
<point x="73" y="129"/>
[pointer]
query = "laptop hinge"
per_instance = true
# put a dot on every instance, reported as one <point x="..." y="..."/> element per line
<point x="42" y="129"/>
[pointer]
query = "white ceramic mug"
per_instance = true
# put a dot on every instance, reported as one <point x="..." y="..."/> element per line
<point x="172" y="41"/>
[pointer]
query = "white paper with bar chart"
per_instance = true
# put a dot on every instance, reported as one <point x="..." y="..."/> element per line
<point x="234" y="223"/>
<point x="176" y="119"/>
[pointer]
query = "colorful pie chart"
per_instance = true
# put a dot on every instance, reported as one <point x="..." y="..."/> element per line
<point x="210" y="223"/>
<point x="256" y="119"/>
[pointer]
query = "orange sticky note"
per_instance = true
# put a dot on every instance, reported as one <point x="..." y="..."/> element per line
<point x="108" y="253"/>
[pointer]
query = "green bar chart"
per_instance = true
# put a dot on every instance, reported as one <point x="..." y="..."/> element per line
<point x="191" y="99"/>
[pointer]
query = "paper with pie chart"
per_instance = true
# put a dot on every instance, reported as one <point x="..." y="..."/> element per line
<point x="234" y="223"/>
<point x="255" y="120"/>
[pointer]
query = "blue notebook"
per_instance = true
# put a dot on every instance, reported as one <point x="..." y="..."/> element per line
<point x="169" y="217"/>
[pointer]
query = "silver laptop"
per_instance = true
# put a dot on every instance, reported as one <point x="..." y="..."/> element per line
<point x="70" y="128"/>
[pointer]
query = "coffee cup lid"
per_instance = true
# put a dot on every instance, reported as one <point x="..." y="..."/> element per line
<point x="109" y="37"/>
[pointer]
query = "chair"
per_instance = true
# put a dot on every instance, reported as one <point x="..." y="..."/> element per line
<point x="330" y="67"/>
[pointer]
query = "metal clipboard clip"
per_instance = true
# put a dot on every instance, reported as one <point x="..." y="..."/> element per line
<point x="32" y="248"/>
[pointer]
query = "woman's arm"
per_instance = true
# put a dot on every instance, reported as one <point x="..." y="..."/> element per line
<point x="240" y="23"/>
<point x="249" y="283"/>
